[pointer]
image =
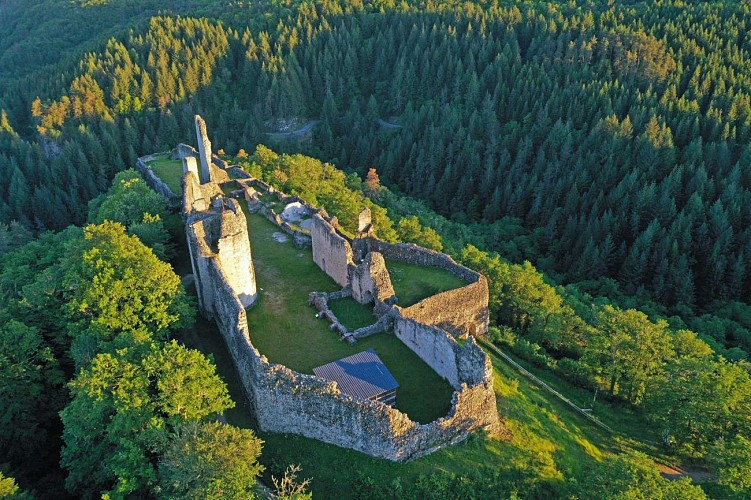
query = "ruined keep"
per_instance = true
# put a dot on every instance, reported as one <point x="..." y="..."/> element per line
<point x="286" y="401"/>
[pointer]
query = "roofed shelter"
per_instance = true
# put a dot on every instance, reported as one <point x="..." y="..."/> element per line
<point x="362" y="376"/>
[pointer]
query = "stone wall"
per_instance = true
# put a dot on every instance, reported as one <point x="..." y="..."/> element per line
<point x="155" y="183"/>
<point x="286" y="401"/>
<point x="462" y="311"/>
<point x="216" y="230"/>
<point x="204" y="151"/>
<point x="331" y="251"/>
<point x="370" y="281"/>
<point x="413" y="254"/>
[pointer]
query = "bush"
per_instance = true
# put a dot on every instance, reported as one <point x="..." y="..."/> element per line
<point x="502" y="335"/>
<point x="575" y="372"/>
<point x="532" y="352"/>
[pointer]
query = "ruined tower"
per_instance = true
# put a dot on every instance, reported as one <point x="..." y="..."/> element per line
<point x="204" y="150"/>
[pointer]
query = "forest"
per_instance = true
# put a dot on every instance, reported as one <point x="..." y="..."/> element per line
<point x="591" y="159"/>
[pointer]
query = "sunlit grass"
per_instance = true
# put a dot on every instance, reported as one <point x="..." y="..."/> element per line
<point x="351" y="313"/>
<point x="170" y="171"/>
<point x="413" y="283"/>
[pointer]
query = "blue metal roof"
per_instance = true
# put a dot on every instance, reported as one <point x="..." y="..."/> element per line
<point x="362" y="375"/>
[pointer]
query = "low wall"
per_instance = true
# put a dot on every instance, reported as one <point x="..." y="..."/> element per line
<point x="462" y="311"/>
<point x="154" y="182"/>
<point x="413" y="254"/>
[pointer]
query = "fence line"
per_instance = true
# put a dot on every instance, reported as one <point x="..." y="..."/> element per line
<point x="542" y="384"/>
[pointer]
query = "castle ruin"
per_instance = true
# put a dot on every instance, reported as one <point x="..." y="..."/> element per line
<point x="286" y="401"/>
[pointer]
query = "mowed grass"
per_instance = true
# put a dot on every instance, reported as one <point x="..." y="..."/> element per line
<point x="284" y="328"/>
<point x="351" y="313"/>
<point x="170" y="171"/>
<point x="413" y="283"/>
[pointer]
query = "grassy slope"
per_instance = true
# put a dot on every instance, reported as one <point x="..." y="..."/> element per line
<point x="412" y="283"/>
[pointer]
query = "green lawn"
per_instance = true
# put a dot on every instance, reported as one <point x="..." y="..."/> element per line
<point x="413" y="283"/>
<point x="170" y="171"/>
<point x="351" y="313"/>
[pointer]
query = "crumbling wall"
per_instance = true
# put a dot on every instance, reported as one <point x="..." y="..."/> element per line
<point x="370" y="281"/>
<point x="413" y="254"/>
<point x="458" y="364"/>
<point x="155" y="183"/>
<point x="217" y="231"/>
<point x="331" y="252"/>
<point x="204" y="150"/>
<point x="432" y="345"/>
<point x="462" y="311"/>
<point x="287" y="401"/>
<point x="291" y="402"/>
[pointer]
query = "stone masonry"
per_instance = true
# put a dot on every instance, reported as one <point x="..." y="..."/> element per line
<point x="204" y="150"/>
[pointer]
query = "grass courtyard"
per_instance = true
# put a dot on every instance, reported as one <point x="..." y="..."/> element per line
<point x="170" y="171"/>
<point x="351" y="313"/>
<point x="284" y="328"/>
<point x="413" y="283"/>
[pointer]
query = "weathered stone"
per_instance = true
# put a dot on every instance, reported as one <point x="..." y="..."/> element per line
<point x="204" y="150"/>
<point x="331" y="251"/>
<point x="370" y="281"/>
<point x="190" y="165"/>
<point x="364" y="221"/>
<point x="155" y="183"/>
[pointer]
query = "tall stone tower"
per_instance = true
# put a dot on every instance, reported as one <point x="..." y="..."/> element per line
<point x="204" y="150"/>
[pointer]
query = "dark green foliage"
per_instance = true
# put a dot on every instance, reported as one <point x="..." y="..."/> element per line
<point x="632" y="475"/>
<point x="133" y="204"/>
<point x="123" y="405"/>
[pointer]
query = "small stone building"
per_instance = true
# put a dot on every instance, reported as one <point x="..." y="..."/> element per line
<point x="362" y="376"/>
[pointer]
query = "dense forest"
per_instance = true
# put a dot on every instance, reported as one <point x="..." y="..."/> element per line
<point x="605" y="146"/>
